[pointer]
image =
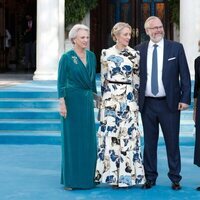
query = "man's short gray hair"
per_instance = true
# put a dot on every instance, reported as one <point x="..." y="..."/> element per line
<point x="146" y="24"/>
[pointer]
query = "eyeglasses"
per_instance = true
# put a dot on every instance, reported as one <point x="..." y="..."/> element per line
<point x="156" y="27"/>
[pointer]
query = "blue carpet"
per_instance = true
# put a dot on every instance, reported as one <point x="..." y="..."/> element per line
<point x="32" y="172"/>
<point x="30" y="164"/>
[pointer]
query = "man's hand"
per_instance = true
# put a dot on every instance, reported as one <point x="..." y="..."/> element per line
<point x="182" y="106"/>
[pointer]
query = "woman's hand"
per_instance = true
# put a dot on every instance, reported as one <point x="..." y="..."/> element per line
<point x="63" y="108"/>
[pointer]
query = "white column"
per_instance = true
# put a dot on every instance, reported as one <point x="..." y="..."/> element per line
<point x="190" y="29"/>
<point x="50" y="38"/>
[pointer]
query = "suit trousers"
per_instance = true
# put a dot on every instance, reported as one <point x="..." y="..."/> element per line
<point x="156" y="114"/>
<point x="197" y="135"/>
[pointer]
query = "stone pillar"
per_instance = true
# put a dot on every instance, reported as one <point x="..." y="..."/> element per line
<point x="190" y="29"/>
<point x="50" y="38"/>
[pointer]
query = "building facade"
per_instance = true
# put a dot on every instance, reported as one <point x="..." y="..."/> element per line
<point x="52" y="41"/>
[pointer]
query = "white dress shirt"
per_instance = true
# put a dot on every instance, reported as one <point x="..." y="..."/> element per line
<point x="160" y="53"/>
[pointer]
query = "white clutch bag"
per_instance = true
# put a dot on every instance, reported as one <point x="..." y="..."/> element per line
<point x="97" y="100"/>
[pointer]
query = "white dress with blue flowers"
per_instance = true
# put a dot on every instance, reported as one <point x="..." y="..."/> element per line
<point x="119" y="160"/>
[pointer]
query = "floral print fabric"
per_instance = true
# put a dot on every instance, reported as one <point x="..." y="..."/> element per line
<point x="119" y="160"/>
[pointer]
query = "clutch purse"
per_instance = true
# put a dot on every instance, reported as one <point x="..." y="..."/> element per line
<point x="97" y="100"/>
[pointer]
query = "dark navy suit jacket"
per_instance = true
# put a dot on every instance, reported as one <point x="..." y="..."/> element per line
<point x="197" y="95"/>
<point x="175" y="75"/>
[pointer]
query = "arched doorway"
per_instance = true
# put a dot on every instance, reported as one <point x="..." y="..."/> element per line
<point x="134" y="12"/>
<point x="12" y="17"/>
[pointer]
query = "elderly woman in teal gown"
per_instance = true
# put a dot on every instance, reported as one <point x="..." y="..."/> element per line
<point x="76" y="86"/>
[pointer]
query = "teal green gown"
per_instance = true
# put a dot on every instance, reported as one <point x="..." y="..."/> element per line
<point x="76" y="83"/>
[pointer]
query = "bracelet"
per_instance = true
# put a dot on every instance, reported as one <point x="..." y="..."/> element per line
<point x="62" y="101"/>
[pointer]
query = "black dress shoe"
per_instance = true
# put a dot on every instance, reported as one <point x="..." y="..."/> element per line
<point x="148" y="184"/>
<point x="68" y="188"/>
<point x="198" y="188"/>
<point x="115" y="186"/>
<point x="176" y="186"/>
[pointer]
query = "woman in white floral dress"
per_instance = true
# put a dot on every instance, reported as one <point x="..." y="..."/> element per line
<point x="119" y="161"/>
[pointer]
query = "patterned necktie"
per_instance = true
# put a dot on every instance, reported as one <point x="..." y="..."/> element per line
<point x="154" y="72"/>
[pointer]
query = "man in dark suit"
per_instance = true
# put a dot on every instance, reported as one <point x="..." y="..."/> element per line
<point x="196" y="113"/>
<point x="165" y="90"/>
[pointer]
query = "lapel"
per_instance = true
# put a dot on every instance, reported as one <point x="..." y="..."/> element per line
<point x="89" y="65"/>
<point x="144" y="60"/>
<point x="84" y="71"/>
<point x="165" y="58"/>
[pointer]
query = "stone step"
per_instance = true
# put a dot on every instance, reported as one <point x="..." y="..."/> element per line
<point x="31" y="109"/>
<point x="27" y="94"/>
<point x="29" y="103"/>
<point x="56" y="139"/>
<point x="30" y="139"/>
<point x="48" y="113"/>
<point x="29" y="125"/>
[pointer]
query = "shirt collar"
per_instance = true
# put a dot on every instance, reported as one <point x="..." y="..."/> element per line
<point x="160" y="44"/>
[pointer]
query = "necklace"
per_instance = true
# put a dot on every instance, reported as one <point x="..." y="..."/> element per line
<point x="119" y="49"/>
<point x="82" y="55"/>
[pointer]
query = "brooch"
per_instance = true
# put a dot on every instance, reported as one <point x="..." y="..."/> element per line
<point x="75" y="59"/>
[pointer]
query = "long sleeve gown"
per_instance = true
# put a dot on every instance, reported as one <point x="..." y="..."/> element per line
<point x="76" y="83"/>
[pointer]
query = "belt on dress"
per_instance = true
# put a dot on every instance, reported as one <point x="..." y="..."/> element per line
<point x="156" y="98"/>
<point x="119" y="82"/>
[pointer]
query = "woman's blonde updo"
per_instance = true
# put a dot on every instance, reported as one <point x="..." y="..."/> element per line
<point x="117" y="28"/>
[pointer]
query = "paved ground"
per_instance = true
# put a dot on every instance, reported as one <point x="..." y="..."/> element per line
<point x="13" y="79"/>
<point x="32" y="172"/>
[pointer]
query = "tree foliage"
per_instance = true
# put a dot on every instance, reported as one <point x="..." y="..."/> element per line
<point x="75" y="10"/>
<point x="174" y="6"/>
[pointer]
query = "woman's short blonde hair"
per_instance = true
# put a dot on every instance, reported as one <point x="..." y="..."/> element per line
<point x="117" y="28"/>
<point x="74" y="31"/>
